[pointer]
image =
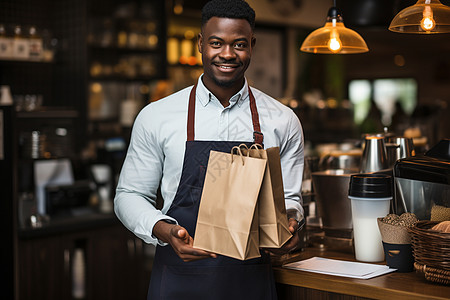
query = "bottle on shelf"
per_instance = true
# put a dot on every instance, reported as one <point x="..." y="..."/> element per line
<point x="21" y="45"/>
<point x="78" y="274"/>
<point x="6" y="44"/>
<point x="151" y="36"/>
<point x="129" y="108"/>
<point x="49" y="45"/>
<point x="35" y="44"/>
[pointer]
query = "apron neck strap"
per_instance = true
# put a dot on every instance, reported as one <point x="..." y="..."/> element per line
<point x="257" y="134"/>
<point x="191" y="114"/>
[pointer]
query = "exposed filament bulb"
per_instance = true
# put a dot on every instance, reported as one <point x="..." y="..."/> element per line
<point x="334" y="44"/>
<point x="427" y="23"/>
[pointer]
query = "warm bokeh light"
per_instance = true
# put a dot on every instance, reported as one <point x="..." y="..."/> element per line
<point x="399" y="60"/>
<point x="189" y="34"/>
<point x="96" y="87"/>
<point x="178" y="9"/>
<point x="153" y="40"/>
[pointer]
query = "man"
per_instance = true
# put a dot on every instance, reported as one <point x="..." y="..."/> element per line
<point x="169" y="148"/>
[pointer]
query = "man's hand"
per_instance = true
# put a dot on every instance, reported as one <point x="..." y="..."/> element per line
<point x="290" y="245"/>
<point x="180" y="240"/>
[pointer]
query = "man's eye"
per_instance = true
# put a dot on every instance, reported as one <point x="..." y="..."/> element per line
<point x="240" y="45"/>
<point x="215" y="44"/>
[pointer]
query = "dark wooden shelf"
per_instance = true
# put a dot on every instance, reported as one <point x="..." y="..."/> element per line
<point x="124" y="50"/>
<point x="71" y="224"/>
<point x="53" y="112"/>
<point x="123" y="78"/>
<point x="22" y="62"/>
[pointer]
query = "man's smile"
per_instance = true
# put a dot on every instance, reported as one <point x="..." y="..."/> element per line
<point x="226" y="66"/>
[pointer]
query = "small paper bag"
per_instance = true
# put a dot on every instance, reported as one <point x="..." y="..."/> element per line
<point x="273" y="222"/>
<point x="227" y="220"/>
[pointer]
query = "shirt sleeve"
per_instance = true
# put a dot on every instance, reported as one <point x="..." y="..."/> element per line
<point x="292" y="163"/>
<point x="135" y="200"/>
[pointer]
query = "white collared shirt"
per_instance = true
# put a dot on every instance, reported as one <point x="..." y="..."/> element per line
<point x="156" y="151"/>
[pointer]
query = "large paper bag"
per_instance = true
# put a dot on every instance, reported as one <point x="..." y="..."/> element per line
<point x="227" y="220"/>
<point x="273" y="222"/>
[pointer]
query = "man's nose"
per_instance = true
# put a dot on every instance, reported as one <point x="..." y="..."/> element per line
<point x="228" y="53"/>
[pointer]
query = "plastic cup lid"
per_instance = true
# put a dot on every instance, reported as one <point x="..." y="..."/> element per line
<point x="370" y="186"/>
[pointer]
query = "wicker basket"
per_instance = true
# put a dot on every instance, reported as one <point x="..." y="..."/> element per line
<point x="431" y="251"/>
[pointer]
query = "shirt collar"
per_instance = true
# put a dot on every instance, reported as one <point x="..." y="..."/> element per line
<point x="204" y="96"/>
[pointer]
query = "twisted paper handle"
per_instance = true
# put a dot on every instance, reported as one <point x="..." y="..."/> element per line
<point x="238" y="149"/>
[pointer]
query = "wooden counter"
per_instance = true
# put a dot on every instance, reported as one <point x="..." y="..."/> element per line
<point x="295" y="284"/>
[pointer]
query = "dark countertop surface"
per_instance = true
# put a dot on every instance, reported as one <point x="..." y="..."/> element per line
<point x="69" y="224"/>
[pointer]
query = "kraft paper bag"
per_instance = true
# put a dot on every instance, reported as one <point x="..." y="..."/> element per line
<point x="227" y="222"/>
<point x="273" y="222"/>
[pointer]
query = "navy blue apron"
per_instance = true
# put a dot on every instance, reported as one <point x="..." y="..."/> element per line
<point x="211" y="278"/>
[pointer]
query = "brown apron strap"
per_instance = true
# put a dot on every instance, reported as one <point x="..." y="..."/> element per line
<point x="191" y="114"/>
<point x="257" y="134"/>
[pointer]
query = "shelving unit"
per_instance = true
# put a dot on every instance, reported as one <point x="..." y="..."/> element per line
<point x="36" y="259"/>
<point x="126" y="52"/>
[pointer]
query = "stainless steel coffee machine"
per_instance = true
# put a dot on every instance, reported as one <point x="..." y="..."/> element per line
<point x="423" y="181"/>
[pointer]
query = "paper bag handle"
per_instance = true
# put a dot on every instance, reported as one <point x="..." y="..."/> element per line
<point x="238" y="148"/>
<point x="256" y="146"/>
<point x="246" y="148"/>
<point x="243" y="145"/>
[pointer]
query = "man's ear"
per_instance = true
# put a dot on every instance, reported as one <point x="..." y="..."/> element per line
<point x="253" y="42"/>
<point x="200" y="42"/>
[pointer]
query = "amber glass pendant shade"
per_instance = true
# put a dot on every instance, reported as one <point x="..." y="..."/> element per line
<point x="424" y="17"/>
<point x="334" y="38"/>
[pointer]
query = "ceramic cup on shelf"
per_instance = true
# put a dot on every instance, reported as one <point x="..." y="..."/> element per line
<point x="5" y="95"/>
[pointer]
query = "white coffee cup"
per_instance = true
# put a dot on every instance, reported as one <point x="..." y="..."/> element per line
<point x="370" y="196"/>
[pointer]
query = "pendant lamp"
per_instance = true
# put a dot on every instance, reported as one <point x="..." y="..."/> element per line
<point x="424" y="17"/>
<point x="334" y="37"/>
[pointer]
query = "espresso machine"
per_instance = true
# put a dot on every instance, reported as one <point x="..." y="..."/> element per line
<point x="422" y="182"/>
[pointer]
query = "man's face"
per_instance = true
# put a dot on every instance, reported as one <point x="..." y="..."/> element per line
<point x="226" y="46"/>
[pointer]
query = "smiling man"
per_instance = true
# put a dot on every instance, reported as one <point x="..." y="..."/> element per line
<point x="226" y="45"/>
<point x="170" y="146"/>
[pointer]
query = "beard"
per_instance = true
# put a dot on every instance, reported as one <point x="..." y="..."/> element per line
<point x="224" y="83"/>
<point x="230" y="81"/>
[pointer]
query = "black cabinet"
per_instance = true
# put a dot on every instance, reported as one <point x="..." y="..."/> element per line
<point x="119" y="264"/>
<point x="102" y="262"/>
<point x="42" y="271"/>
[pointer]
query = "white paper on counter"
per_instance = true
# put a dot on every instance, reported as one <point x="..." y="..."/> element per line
<point x="340" y="268"/>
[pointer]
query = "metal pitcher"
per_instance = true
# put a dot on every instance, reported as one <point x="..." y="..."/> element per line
<point x="398" y="148"/>
<point x="374" y="156"/>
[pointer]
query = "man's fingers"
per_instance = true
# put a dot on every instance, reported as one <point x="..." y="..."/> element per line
<point x="190" y="254"/>
<point x="183" y="234"/>
<point x="182" y="244"/>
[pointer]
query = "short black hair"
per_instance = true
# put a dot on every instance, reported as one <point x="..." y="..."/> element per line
<point x="233" y="9"/>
